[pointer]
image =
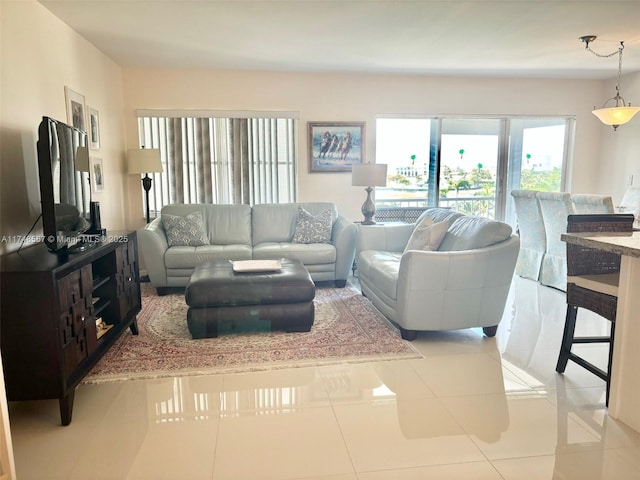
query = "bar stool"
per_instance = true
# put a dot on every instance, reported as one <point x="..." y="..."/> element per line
<point x="592" y="283"/>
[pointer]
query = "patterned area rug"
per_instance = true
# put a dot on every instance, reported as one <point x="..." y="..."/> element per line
<point x="347" y="329"/>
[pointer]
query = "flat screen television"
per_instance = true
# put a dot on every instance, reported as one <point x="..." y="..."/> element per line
<point x="64" y="191"/>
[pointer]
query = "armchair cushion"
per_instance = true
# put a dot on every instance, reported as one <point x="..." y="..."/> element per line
<point x="469" y="233"/>
<point x="185" y="231"/>
<point x="439" y="214"/>
<point x="313" y="229"/>
<point x="427" y="235"/>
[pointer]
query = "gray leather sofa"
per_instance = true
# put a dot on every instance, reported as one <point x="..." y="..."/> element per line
<point x="462" y="284"/>
<point x="243" y="232"/>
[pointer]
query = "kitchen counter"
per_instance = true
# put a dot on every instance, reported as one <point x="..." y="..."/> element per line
<point x="624" y="396"/>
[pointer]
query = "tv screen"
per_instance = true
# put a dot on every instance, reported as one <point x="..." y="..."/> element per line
<point x="64" y="191"/>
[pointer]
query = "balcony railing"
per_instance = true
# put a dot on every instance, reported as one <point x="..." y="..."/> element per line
<point x="480" y="206"/>
<point x="476" y="206"/>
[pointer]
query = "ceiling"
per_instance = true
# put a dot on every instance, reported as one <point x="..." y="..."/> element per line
<point x="514" y="38"/>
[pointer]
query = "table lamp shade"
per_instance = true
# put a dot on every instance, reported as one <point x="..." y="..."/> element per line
<point x="369" y="175"/>
<point x="144" y="160"/>
<point x="82" y="159"/>
<point x="83" y="165"/>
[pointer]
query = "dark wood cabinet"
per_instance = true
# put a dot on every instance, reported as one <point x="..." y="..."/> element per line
<point x="78" y="337"/>
<point x="49" y="306"/>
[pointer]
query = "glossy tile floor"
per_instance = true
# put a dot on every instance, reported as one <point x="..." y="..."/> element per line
<point x="473" y="408"/>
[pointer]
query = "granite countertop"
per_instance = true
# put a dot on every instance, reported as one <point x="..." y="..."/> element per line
<point x="624" y="243"/>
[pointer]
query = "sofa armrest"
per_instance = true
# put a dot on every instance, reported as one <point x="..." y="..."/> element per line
<point x="435" y="270"/>
<point x="153" y="244"/>
<point x="475" y="282"/>
<point x="343" y="237"/>
<point x="387" y="238"/>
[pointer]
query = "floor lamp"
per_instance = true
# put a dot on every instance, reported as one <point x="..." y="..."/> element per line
<point x="145" y="161"/>
<point x="369" y="175"/>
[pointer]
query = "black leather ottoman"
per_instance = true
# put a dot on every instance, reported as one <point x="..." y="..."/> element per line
<point x="217" y="294"/>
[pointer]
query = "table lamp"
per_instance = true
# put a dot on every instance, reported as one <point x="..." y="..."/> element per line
<point x="82" y="165"/>
<point x="82" y="160"/>
<point x="369" y="175"/>
<point x="145" y="160"/>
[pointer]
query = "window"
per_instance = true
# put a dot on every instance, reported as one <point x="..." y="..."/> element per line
<point x="470" y="151"/>
<point x="470" y="164"/>
<point x="222" y="159"/>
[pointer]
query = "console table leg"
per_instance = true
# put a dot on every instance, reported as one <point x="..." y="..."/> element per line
<point x="134" y="326"/>
<point x="66" y="407"/>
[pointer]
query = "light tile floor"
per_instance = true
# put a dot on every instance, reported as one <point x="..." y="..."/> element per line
<point x="473" y="408"/>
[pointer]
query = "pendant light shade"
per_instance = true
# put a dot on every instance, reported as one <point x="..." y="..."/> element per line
<point x="622" y="112"/>
<point x="615" y="116"/>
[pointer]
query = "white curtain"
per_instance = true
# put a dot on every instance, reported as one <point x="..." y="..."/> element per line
<point x="222" y="160"/>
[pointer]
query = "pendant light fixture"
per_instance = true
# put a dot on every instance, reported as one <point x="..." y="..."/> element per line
<point x="621" y="112"/>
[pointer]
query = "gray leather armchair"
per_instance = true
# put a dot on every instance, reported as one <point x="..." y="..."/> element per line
<point x="463" y="284"/>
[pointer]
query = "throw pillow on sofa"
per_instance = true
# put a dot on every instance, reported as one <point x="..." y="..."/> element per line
<point x="313" y="229"/>
<point x="185" y="231"/>
<point x="427" y="235"/>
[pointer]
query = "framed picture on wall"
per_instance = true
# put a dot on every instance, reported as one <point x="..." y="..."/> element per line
<point x="335" y="146"/>
<point x="97" y="174"/>
<point x="75" y="109"/>
<point x="94" y="129"/>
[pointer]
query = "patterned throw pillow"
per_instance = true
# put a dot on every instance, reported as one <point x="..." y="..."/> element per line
<point x="185" y="231"/>
<point x="427" y="235"/>
<point x="310" y="229"/>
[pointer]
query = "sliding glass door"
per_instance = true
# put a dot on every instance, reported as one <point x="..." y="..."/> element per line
<point x="469" y="156"/>
<point x="538" y="151"/>
<point x="470" y="164"/>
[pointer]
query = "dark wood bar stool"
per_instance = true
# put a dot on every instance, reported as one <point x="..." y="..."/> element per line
<point x="592" y="283"/>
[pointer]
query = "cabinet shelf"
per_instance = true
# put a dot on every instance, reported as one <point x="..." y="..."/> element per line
<point x="100" y="306"/>
<point x="99" y="281"/>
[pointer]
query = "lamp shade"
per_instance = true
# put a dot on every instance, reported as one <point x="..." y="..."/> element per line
<point x="144" y="160"/>
<point x="82" y="159"/>
<point x="369" y="175"/>
<point x="616" y="115"/>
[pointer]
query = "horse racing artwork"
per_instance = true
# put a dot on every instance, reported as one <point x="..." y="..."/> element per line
<point x="335" y="146"/>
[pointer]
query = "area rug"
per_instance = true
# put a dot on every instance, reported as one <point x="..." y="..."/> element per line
<point x="347" y="329"/>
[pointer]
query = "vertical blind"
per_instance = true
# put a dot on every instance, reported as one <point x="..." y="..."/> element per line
<point x="222" y="160"/>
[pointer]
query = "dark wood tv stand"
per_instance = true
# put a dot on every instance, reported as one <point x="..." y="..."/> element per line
<point x="49" y="306"/>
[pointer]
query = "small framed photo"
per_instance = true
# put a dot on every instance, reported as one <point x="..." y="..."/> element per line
<point x="97" y="174"/>
<point x="94" y="129"/>
<point x="335" y="146"/>
<point x="75" y="109"/>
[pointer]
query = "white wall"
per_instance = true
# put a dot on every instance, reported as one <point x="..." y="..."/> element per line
<point x="40" y="55"/>
<point x="358" y="97"/>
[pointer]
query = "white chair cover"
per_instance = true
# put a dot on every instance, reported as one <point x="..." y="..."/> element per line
<point x="584" y="203"/>
<point x="531" y="229"/>
<point x="555" y="207"/>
